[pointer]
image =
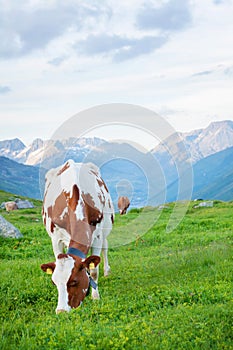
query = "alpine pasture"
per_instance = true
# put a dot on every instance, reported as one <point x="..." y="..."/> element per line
<point x="166" y="290"/>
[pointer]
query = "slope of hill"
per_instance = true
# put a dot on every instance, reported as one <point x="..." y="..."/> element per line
<point x="212" y="178"/>
<point x="19" y="178"/>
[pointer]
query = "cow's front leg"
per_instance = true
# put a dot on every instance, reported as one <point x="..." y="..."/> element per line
<point x="94" y="273"/>
<point x="60" y="240"/>
<point x="96" y="250"/>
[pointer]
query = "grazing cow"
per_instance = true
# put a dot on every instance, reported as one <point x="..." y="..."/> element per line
<point x="10" y="206"/>
<point x="123" y="204"/>
<point x="78" y="214"/>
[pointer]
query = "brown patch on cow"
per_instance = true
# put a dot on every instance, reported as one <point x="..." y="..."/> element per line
<point x="94" y="274"/>
<point x="64" y="168"/>
<point x="80" y="231"/>
<point x="55" y="213"/>
<point x="101" y="198"/>
<point x="73" y="201"/>
<point x="44" y="217"/>
<point x="52" y="226"/>
<point x="123" y="204"/>
<point x="93" y="215"/>
<point x="94" y="172"/>
<point x="62" y="256"/>
<point x="79" y="246"/>
<point x="102" y="183"/>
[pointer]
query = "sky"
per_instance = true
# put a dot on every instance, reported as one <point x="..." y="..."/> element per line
<point x="59" y="58"/>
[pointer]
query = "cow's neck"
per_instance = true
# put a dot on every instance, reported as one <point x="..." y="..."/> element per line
<point x="79" y="246"/>
<point x="80" y="233"/>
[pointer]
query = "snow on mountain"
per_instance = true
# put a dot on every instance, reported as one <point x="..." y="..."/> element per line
<point x="215" y="138"/>
<point x="40" y="150"/>
<point x="153" y="176"/>
<point x="11" y="148"/>
<point x="198" y="143"/>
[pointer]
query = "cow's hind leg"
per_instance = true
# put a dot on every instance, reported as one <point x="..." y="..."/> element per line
<point x="105" y="256"/>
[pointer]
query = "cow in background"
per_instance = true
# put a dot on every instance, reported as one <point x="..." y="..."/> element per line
<point x="78" y="213"/>
<point x="123" y="204"/>
<point x="10" y="206"/>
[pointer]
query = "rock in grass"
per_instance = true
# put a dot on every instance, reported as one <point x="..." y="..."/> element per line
<point x="7" y="230"/>
<point x="23" y="204"/>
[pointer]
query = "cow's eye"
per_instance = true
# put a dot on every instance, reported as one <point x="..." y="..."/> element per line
<point x="72" y="284"/>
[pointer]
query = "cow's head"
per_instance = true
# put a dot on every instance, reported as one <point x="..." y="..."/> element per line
<point x="69" y="274"/>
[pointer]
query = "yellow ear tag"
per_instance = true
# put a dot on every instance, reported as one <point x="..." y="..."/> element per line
<point x="49" y="271"/>
<point x="91" y="266"/>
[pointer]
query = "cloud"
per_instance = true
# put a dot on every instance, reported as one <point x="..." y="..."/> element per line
<point x="4" y="89"/>
<point x="229" y="71"/>
<point x="218" y="2"/>
<point x="171" y="16"/>
<point x="220" y="69"/>
<point x="23" y="30"/>
<point x="205" y="72"/>
<point x="119" y="47"/>
<point x="57" y="61"/>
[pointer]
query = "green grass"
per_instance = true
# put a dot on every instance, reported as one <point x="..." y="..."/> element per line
<point x="166" y="290"/>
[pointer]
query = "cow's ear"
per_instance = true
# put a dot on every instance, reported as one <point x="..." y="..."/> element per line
<point x="91" y="259"/>
<point x="48" y="268"/>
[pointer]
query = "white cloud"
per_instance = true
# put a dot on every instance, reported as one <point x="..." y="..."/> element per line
<point x="121" y="48"/>
<point x="25" y="29"/>
<point x="169" y="16"/>
<point x="4" y="89"/>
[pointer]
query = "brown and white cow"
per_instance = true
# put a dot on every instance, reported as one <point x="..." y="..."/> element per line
<point x="78" y="214"/>
<point x="11" y="206"/>
<point x="123" y="204"/>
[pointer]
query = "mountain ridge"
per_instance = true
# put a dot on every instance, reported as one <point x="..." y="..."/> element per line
<point x="147" y="178"/>
<point x="199" y="144"/>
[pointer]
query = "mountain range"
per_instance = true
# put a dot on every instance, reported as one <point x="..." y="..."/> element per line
<point x="199" y="162"/>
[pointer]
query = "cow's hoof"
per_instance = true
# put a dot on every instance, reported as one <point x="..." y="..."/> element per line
<point x="107" y="273"/>
<point x="95" y="295"/>
<point x="60" y="311"/>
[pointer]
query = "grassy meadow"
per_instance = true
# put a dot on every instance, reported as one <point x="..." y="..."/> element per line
<point x="166" y="290"/>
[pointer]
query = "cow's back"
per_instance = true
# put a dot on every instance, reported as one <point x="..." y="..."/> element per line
<point x="76" y="199"/>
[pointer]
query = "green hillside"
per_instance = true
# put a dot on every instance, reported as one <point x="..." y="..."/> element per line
<point x="166" y="290"/>
<point x="19" y="178"/>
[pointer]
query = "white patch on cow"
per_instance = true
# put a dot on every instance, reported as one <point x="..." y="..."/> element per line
<point x="79" y="211"/>
<point x="60" y="240"/>
<point x="95" y="294"/>
<point x="65" y="211"/>
<point x="60" y="277"/>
